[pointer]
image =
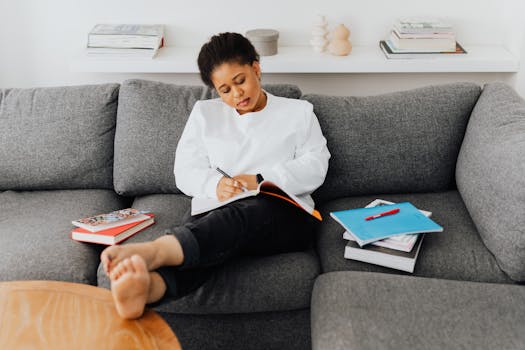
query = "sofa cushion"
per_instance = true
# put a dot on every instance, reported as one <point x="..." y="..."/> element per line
<point x="57" y="138"/>
<point x="491" y="175"/>
<point x="456" y="253"/>
<point x="400" y="142"/>
<point x="35" y="241"/>
<point x="358" y="310"/>
<point x="247" y="284"/>
<point x="151" y="118"/>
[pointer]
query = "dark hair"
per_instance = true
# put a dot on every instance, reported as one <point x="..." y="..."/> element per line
<point x="224" y="48"/>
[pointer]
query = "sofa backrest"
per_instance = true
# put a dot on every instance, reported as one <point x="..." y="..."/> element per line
<point x="393" y="143"/>
<point x="150" y="119"/>
<point x="490" y="175"/>
<point x="57" y="138"/>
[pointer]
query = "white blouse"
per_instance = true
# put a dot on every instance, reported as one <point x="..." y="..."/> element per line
<point x="283" y="142"/>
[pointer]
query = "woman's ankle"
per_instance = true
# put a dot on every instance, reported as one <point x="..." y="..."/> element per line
<point x="169" y="251"/>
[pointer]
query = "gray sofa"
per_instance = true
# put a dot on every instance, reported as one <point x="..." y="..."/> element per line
<point x="456" y="150"/>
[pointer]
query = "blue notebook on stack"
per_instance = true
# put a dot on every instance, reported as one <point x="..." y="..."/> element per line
<point x="408" y="220"/>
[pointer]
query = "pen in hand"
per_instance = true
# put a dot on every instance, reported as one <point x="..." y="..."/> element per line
<point x="229" y="177"/>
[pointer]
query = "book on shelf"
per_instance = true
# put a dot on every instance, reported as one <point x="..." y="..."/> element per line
<point x="113" y="219"/>
<point x="407" y="220"/>
<point x="429" y="43"/>
<point x="202" y="205"/>
<point x="121" y="53"/>
<point x="392" y="258"/>
<point x="393" y="53"/>
<point x="113" y="235"/>
<point x="125" y="40"/>
<point x="403" y="243"/>
<point x="416" y="25"/>
<point x="447" y="35"/>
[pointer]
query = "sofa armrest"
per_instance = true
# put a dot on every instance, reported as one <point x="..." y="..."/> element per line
<point x="490" y="175"/>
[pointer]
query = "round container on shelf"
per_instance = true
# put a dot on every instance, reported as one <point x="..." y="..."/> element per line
<point x="264" y="41"/>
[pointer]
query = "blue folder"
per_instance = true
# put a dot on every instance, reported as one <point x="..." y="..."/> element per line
<point x="408" y="220"/>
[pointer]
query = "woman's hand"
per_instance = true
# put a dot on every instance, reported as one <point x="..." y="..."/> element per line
<point x="249" y="180"/>
<point x="227" y="188"/>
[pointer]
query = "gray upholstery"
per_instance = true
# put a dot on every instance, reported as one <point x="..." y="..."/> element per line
<point x="151" y="118"/>
<point x="254" y="331"/>
<point x="356" y="310"/>
<point x="247" y="284"/>
<point x="35" y="234"/>
<point x="456" y="253"/>
<point x="57" y="138"/>
<point x="401" y="147"/>
<point x="401" y="142"/>
<point x="253" y="284"/>
<point x="491" y="175"/>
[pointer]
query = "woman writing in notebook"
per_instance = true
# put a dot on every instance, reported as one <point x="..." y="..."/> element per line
<point x="251" y="135"/>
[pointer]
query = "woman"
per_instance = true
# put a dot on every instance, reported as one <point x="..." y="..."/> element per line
<point x="250" y="134"/>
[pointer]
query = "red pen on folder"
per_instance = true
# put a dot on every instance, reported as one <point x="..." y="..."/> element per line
<point x="390" y="212"/>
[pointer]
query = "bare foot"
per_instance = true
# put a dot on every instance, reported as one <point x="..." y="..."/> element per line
<point x="130" y="283"/>
<point x="113" y="255"/>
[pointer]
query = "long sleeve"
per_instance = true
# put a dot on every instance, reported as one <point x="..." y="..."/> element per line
<point x="193" y="173"/>
<point x="307" y="171"/>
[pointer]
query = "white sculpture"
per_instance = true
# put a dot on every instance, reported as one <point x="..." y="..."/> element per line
<point x="319" y="39"/>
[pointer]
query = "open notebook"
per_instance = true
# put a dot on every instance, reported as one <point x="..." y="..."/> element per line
<point x="203" y="205"/>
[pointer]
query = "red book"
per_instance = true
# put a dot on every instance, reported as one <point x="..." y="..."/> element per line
<point x="113" y="235"/>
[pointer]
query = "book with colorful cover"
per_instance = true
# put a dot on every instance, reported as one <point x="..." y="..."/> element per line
<point x="109" y="220"/>
<point x="408" y="220"/>
<point x="113" y="235"/>
<point x="403" y="243"/>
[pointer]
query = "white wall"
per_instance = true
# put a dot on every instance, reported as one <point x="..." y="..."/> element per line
<point x="39" y="38"/>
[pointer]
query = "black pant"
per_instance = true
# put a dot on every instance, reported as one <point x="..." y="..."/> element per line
<point x="261" y="225"/>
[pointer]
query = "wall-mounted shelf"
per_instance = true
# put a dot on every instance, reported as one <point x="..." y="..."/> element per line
<point x="302" y="59"/>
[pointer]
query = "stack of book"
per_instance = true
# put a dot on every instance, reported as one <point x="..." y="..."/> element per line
<point x="125" y="40"/>
<point x="111" y="228"/>
<point x="420" y="38"/>
<point x="391" y="240"/>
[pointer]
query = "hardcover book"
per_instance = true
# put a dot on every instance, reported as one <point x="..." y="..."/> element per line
<point x="114" y="235"/>
<point x="395" y="259"/>
<point x="393" y="53"/>
<point x="109" y="220"/>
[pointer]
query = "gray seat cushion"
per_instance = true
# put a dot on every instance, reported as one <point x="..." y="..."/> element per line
<point x="57" y="138"/>
<point x="456" y="253"/>
<point x="35" y="241"/>
<point x="491" y="175"/>
<point x="401" y="142"/>
<point x="358" y="310"/>
<point x="248" y="284"/>
<point x="151" y="118"/>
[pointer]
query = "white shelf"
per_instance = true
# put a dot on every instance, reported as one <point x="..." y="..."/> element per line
<point x="302" y="59"/>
